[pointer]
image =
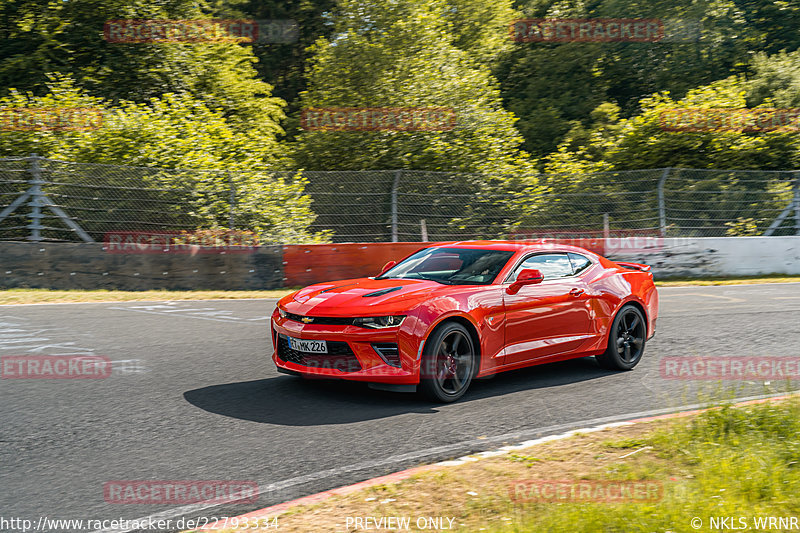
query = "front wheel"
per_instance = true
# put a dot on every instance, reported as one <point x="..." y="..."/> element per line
<point x="449" y="363"/>
<point x="625" y="341"/>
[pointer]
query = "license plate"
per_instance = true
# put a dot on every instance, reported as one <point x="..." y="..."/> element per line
<point x="303" y="345"/>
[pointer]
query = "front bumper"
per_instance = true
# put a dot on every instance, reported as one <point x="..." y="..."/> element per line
<point x="351" y="356"/>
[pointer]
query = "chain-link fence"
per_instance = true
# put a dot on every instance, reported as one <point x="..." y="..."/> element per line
<point x="47" y="200"/>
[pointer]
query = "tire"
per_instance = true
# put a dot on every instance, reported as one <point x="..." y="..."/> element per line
<point x="449" y="363"/>
<point x="626" y="340"/>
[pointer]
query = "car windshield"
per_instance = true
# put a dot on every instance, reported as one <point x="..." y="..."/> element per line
<point x="451" y="266"/>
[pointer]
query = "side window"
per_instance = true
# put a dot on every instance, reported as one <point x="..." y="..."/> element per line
<point x="579" y="262"/>
<point x="552" y="266"/>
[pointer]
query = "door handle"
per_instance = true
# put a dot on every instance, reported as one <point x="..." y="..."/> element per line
<point x="576" y="292"/>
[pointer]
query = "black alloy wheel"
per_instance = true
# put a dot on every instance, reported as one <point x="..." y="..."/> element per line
<point x="626" y="340"/>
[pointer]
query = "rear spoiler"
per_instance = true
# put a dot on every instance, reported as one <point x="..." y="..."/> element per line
<point x="634" y="266"/>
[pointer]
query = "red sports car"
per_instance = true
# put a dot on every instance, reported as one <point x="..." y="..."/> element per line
<point x="457" y="311"/>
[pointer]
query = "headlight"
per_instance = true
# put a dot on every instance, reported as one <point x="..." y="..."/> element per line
<point x="282" y="313"/>
<point x="379" y="322"/>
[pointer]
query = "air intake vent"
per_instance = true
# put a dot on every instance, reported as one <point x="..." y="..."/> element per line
<point x="388" y="352"/>
<point x="339" y="357"/>
<point x="381" y="292"/>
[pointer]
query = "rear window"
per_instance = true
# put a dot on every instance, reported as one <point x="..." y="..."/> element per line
<point x="579" y="262"/>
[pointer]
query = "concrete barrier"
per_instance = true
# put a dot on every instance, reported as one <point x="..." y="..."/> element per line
<point x="717" y="256"/>
<point x="90" y="266"/>
<point x="65" y="266"/>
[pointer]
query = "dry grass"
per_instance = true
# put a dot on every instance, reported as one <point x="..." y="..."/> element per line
<point x="688" y="282"/>
<point x="35" y="296"/>
<point x="38" y="296"/>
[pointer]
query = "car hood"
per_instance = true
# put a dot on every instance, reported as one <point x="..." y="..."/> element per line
<point x="360" y="297"/>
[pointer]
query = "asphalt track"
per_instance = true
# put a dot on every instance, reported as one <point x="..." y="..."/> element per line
<point x="194" y="396"/>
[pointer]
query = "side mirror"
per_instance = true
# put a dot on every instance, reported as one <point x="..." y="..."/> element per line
<point x="387" y="266"/>
<point x="528" y="276"/>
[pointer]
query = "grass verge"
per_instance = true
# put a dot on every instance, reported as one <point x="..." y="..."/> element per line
<point x="739" y="462"/>
<point x="746" y="280"/>
<point x="37" y="296"/>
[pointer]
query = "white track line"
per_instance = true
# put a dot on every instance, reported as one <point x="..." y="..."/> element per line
<point x="146" y="301"/>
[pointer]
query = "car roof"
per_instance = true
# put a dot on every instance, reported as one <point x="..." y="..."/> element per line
<point x="513" y="246"/>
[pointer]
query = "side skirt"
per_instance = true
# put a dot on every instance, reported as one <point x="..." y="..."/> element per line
<point x="542" y="361"/>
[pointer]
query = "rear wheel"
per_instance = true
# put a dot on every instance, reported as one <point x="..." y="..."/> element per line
<point x="625" y="341"/>
<point x="449" y="363"/>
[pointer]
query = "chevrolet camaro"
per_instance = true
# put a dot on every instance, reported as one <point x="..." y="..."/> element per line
<point x="453" y="312"/>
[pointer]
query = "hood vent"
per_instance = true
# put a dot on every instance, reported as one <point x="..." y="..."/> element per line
<point x="336" y="287"/>
<point x="381" y="292"/>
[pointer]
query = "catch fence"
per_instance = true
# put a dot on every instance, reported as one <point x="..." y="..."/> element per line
<point x="47" y="200"/>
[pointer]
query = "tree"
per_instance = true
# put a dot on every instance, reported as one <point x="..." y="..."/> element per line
<point x="182" y="160"/>
<point x="399" y="54"/>
<point x="40" y="38"/>
<point x="775" y="80"/>
<point x="617" y="144"/>
<point x="480" y="28"/>
<point x="281" y="64"/>
<point x="641" y="142"/>
<point x="553" y="86"/>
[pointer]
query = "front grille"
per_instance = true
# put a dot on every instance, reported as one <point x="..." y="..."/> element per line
<point x="388" y="352"/>
<point x="325" y="320"/>
<point x="339" y="357"/>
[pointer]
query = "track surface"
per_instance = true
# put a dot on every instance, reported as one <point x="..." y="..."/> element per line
<point x="194" y="395"/>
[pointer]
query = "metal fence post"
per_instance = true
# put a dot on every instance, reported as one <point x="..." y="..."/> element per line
<point x="232" y="200"/>
<point x="395" y="187"/>
<point x="662" y="208"/>
<point x="36" y="200"/>
<point x="797" y="202"/>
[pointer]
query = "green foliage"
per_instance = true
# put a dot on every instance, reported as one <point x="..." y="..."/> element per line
<point x="775" y="80"/>
<point x="743" y="227"/>
<point x="400" y="54"/>
<point x="640" y="141"/>
<point x="282" y="64"/>
<point x="615" y="144"/>
<point x="170" y="132"/>
<point x="553" y="86"/>
<point x="480" y="28"/>
<point x="40" y="38"/>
